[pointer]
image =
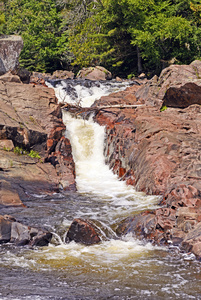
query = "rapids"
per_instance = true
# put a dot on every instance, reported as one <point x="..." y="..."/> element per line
<point x="114" y="269"/>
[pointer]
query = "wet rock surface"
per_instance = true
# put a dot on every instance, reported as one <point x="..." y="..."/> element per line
<point x="31" y="119"/>
<point x="19" y="234"/>
<point x="158" y="152"/>
<point x="84" y="232"/>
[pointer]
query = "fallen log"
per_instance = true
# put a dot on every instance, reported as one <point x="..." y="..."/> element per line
<point x="77" y="109"/>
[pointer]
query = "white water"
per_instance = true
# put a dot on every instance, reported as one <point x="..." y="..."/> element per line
<point x="87" y="140"/>
<point x="92" y="174"/>
<point x="85" y="92"/>
<point x="113" y="269"/>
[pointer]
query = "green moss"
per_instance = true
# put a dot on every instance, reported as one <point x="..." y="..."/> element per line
<point x="164" y="107"/>
<point x="21" y="151"/>
<point x="130" y="76"/>
<point x="6" y="148"/>
<point x="34" y="154"/>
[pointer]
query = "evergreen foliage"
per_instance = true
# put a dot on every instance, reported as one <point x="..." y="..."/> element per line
<point x="40" y="24"/>
<point x="125" y="36"/>
<point x="154" y="31"/>
<point x="2" y="16"/>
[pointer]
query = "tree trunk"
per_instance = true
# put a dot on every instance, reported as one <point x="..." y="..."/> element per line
<point x="139" y="60"/>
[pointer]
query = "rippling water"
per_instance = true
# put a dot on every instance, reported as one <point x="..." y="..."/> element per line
<point x="114" y="269"/>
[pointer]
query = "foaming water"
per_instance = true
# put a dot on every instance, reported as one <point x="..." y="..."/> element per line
<point x="85" y="92"/>
<point x="113" y="269"/>
<point x="92" y="175"/>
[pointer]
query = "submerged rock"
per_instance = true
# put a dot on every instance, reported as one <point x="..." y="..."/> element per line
<point x="84" y="232"/>
<point x="20" y="235"/>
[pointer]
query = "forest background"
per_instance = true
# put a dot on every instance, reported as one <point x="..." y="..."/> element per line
<point x="125" y="36"/>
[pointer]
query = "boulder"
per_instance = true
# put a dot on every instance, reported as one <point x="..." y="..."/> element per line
<point x="10" y="49"/>
<point x="84" y="232"/>
<point x="94" y="73"/>
<point x="183" y="95"/>
<point x="9" y="77"/>
<point x="19" y="234"/>
<point x="142" y="226"/>
<point x="6" y="145"/>
<point x="177" y="86"/>
<point x="63" y="162"/>
<point x="23" y="74"/>
<point x="62" y="74"/>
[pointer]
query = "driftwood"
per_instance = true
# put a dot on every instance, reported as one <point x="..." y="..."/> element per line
<point x="77" y="109"/>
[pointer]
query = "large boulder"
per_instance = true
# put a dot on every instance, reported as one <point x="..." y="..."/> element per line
<point x="10" y="49"/>
<point x="178" y="86"/>
<point x="19" y="234"/>
<point x="94" y="73"/>
<point x="83" y="231"/>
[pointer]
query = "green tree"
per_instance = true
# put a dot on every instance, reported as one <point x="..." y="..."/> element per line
<point x="2" y="16"/>
<point x="39" y="22"/>
<point x="126" y="35"/>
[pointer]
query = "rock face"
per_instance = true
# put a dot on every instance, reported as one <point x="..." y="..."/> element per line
<point x="30" y="118"/>
<point x="10" y="48"/>
<point x="14" y="232"/>
<point x="94" y="73"/>
<point x="84" y="232"/>
<point x="158" y="152"/>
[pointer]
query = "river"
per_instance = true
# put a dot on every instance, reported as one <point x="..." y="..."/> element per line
<point x="114" y="269"/>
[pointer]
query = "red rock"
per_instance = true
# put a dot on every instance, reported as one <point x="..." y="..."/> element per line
<point x="160" y="152"/>
<point x="30" y="118"/>
<point x="84" y="232"/>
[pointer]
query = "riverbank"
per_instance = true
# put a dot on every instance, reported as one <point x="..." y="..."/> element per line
<point x="156" y="148"/>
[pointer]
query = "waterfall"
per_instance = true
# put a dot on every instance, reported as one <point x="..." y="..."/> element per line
<point x="87" y="140"/>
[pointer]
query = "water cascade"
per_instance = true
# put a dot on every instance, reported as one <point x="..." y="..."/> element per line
<point x="114" y="269"/>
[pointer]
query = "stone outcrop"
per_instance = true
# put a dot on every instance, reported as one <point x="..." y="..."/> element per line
<point x="30" y="118"/>
<point x="158" y="152"/>
<point x="84" y="232"/>
<point x="19" y="234"/>
<point x="10" y="48"/>
<point x="178" y="86"/>
<point x="94" y="73"/>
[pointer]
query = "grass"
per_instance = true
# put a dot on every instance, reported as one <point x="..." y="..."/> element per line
<point x="21" y="151"/>
<point x="163" y="108"/>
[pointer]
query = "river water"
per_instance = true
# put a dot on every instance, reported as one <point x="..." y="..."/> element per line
<point x="114" y="269"/>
